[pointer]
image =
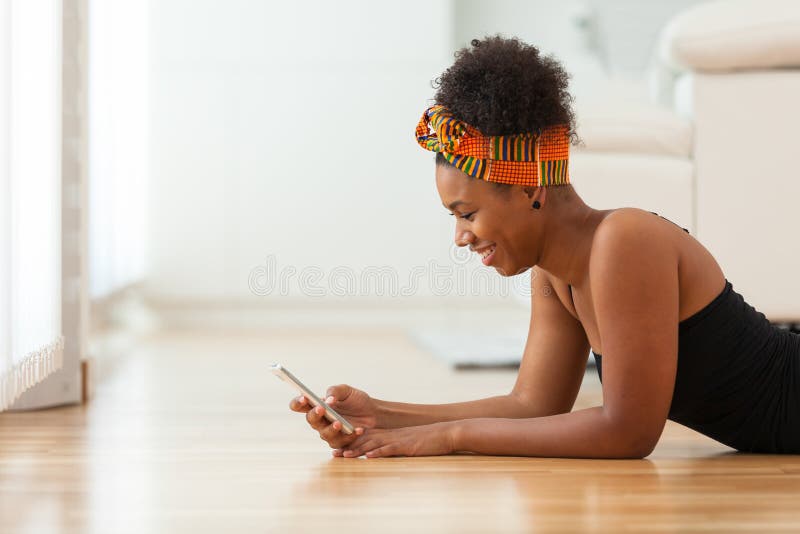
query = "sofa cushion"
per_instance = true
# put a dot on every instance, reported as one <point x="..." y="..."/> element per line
<point x="639" y="128"/>
<point x="729" y="35"/>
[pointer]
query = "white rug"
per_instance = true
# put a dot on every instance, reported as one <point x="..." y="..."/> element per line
<point x="468" y="350"/>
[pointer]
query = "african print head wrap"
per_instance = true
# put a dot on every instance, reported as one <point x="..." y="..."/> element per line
<point x="523" y="159"/>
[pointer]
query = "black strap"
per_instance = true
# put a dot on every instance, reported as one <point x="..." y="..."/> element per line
<point x="681" y="227"/>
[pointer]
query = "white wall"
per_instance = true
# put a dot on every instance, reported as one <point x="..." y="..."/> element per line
<point x="286" y="129"/>
<point x="562" y="28"/>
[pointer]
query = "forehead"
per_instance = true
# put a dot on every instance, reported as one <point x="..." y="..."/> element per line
<point x="453" y="185"/>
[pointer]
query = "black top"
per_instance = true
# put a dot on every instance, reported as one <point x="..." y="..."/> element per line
<point x="738" y="377"/>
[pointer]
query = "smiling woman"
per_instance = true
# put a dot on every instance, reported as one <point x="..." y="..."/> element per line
<point x="677" y="341"/>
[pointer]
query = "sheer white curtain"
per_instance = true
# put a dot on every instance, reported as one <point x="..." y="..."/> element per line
<point x="31" y="344"/>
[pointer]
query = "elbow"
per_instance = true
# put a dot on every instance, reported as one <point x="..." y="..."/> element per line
<point x="634" y="437"/>
<point x="636" y="445"/>
<point x="637" y="452"/>
<point x="634" y="441"/>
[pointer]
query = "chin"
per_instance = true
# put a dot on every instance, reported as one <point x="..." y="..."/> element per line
<point x="502" y="270"/>
<point x="507" y="272"/>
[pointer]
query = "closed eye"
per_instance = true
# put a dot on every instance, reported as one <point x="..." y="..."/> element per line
<point x="467" y="216"/>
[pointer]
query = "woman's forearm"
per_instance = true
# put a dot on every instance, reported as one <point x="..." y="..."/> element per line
<point x="401" y="414"/>
<point x="581" y="434"/>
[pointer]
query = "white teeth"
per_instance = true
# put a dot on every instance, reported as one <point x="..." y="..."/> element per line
<point x="488" y="252"/>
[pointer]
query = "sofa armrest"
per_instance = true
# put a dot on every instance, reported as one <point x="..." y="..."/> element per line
<point x="731" y="35"/>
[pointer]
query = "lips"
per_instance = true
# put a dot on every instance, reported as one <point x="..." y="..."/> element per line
<point x="486" y="254"/>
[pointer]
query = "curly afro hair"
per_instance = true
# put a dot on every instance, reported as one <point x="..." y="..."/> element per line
<point x="504" y="86"/>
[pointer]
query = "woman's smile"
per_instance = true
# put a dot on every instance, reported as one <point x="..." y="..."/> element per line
<point x="488" y="256"/>
<point x="486" y="253"/>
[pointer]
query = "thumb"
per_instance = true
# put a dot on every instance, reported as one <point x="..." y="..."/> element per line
<point x="339" y="392"/>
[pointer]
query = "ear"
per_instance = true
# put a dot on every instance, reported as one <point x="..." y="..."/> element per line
<point x="536" y="195"/>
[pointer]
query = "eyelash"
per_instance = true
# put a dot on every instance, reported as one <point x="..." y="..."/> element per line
<point x="467" y="216"/>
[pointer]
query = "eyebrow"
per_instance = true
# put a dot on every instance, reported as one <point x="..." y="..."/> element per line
<point x="453" y="205"/>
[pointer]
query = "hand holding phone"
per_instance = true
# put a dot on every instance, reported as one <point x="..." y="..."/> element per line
<point x="330" y="414"/>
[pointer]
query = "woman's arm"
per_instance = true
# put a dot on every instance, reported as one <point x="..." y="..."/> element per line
<point x="400" y="414"/>
<point x="636" y="307"/>
<point x="550" y="375"/>
<point x="588" y="433"/>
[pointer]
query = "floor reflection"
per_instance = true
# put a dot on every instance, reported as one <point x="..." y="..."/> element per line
<point x="484" y="493"/>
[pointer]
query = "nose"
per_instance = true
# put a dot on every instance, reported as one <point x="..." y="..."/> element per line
<point x="464" y="238"/>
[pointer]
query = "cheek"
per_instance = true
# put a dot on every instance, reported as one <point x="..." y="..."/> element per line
<point x="511" y="245"/>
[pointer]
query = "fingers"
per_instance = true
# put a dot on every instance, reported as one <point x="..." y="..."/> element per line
<point x="363" y="443"/>
<point x="316" y="418"/>
<point x="299" y="404"/>
<point x="381" y="452"/>
<point x="339" y="393"/>
<point x="360" y="450"/>
<point x="356" y="452"/>
<point x="335" y="438"/>
<point x="372" y="444"/>
<point x="331" y="432"/>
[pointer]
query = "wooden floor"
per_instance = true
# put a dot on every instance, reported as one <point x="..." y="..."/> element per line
<point x="189" y="433"/>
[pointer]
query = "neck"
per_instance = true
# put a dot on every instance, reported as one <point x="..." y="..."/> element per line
<point x="568" y="232"/>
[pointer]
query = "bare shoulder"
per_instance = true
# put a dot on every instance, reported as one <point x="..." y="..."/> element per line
<point x="636" y="232"/>
<point x="633" y="221"/>
<point x="657" y="247"/>
<point x="632" y="243"/>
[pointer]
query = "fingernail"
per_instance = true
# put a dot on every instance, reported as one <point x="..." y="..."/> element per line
<point x="329" y="399"/>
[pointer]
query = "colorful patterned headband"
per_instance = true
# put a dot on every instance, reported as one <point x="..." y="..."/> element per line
<point x="523" y="159"/>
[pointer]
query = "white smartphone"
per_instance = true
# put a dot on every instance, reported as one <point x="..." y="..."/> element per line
<point x="330" y="414"/>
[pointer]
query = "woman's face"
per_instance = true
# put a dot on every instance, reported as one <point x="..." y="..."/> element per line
<point x="495" y="223"/>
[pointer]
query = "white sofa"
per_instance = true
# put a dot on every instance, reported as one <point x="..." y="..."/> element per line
<point x="714" y="147"/>
<point x="635" y="154"/>
<point x="737" y="76"/>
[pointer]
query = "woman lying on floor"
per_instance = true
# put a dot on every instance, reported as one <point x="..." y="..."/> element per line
<point x="677" y="341"/>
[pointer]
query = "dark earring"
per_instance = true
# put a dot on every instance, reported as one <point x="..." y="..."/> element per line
<point x="536" y="205"/>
